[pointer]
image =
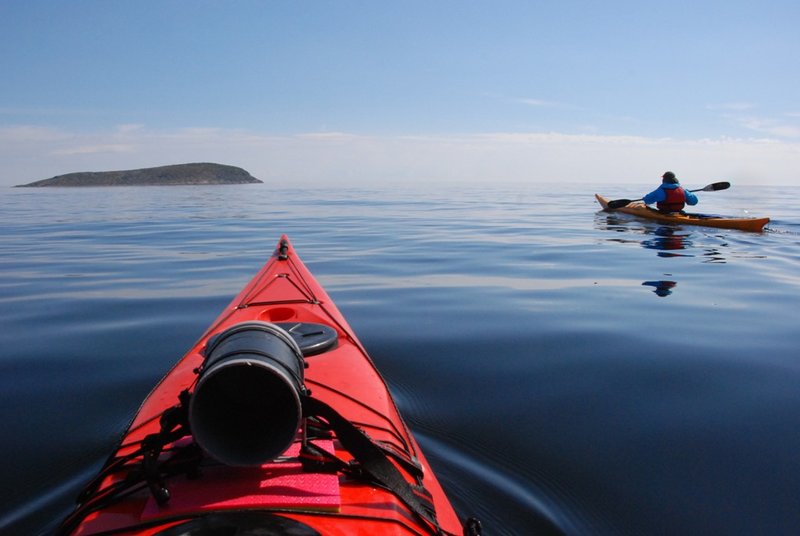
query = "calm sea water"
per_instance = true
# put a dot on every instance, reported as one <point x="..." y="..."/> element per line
<point x="566" y="371"/>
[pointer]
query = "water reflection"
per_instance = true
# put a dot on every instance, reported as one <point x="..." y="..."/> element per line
<point x="667" y="241"/>
<point x="661" y="288"/>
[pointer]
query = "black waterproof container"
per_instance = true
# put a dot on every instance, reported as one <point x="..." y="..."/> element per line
<point x="246" y="407"/>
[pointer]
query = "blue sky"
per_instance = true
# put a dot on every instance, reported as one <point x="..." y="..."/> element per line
<point x="365" y="92"/>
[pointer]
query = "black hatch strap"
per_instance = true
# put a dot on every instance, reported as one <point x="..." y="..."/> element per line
<point x="373" y="462"/>
<point x="174" y="425"/>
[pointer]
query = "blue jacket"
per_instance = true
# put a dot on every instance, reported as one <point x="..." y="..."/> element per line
<point x="658" y="195"/>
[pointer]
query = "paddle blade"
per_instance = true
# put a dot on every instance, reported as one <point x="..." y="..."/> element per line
<point x="619" y="203"/>
<point x="717" y="186"/>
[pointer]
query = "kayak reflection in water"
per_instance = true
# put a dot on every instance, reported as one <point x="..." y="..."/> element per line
<point x="662" y="288"/>
<point x="670" y="196"/>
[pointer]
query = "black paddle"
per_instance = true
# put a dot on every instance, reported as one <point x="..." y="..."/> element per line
<point x="619" y="203"/>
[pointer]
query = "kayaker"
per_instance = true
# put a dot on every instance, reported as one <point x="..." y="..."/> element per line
<point x="670" y="196"/>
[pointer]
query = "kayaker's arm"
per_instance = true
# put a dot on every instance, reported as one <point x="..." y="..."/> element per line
<point x="691" y="199"/>
<point x="655" y="196"/>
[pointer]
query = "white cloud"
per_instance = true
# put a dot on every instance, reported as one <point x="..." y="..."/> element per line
<point x="18" y="134"/>
<point x="540" y="103"/>
<point x="94" y="149"/>
<point x="732" y="106"/>
<point x="771" y="127"/>
<point x="41" y="111"/>
<point x="739" y="113"/>
<point x="129" y="128"/>
<point x="543" y="103"/>
<point x="327" y="136"/>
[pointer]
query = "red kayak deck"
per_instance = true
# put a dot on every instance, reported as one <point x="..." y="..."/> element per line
<point x="343" y="377"/>
<point x="643" y="211"/>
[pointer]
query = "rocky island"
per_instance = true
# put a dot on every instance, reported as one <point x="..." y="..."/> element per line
<point x="179" y="174"/>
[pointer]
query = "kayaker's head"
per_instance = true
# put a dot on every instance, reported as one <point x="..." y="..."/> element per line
<point x="669" y="178"/>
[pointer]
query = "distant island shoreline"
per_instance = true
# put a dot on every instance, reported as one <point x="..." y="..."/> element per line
<point x="173" y="175"/>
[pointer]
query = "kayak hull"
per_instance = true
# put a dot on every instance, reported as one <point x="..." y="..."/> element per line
<point x="343" y="377"/>
<point x="643" y="211"/>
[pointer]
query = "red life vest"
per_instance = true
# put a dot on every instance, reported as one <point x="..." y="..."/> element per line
<point x="674" y="202"/>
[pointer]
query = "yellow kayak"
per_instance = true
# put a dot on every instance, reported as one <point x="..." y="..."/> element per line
<point x="643" y="211"/>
